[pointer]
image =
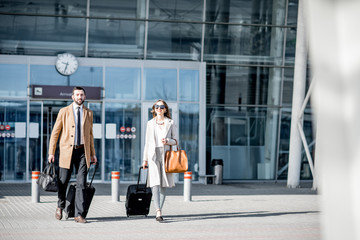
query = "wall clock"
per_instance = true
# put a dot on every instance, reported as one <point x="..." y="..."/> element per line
<point x="66" y="64"/>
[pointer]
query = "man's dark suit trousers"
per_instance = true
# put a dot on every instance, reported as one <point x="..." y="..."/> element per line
<point x="78" y="161"/>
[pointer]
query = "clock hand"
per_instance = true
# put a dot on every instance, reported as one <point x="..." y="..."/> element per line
<point x="67" y="63"/>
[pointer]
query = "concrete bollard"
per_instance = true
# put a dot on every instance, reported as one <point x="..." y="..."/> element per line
<point x="115" y="176"/>
<point x="35" y="193"/>
<point x="187" y="186"/>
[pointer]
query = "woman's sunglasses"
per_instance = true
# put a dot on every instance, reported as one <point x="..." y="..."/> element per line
<point x="160" y="106"/>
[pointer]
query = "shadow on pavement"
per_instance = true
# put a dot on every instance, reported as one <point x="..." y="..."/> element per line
<point x="206" y="216"/>
<point x="227" y="189"/>
<point x="197" y="217"/>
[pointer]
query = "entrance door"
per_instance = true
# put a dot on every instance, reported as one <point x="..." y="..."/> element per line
<point x="146" y="115"/>
<point x="50" y="112"/>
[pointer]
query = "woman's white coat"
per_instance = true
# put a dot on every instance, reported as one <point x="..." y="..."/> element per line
<point x="150" y="156"/>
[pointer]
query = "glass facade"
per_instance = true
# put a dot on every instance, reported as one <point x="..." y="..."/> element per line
<point x="26" y="122"/>
<point x="13" y="140"/>
<point x="160" y="84"/>
<point x="122" y="153"/>
<point x="242" y="98"/>
<point x="47" y="75"/>
<point x="13" y="78"/>
<point x="123" y="83"/>
<point x="174" y="41"/>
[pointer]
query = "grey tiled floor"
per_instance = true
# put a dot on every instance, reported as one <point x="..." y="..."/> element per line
<point x="230" y="211"/>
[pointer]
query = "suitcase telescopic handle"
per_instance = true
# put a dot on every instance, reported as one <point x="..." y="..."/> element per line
<point x="137" y="186"/>
<point x="92" y="178"/>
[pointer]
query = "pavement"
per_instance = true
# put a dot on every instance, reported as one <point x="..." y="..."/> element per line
<point x="259" y="210"/>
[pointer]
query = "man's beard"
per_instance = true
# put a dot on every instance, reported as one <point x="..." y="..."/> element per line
<point x="81" y="102"/>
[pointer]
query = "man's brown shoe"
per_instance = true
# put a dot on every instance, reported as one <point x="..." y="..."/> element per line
<point x="58" y="214"/>
<point x="80" y="219"/>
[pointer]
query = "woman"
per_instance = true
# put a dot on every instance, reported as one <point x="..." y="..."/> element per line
<point x="160" y="135"/>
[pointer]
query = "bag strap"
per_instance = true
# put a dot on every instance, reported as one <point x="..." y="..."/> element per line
<point x="53" y="168"/>
<point x="177" y="145"/>
<point x="137" y="185"/>
<point x="96" y="167"/>
<point x="47" y="169"/>
<point x="50" y="169"/>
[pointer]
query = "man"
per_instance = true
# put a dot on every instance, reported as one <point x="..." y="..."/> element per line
<point x="75" y="123"/>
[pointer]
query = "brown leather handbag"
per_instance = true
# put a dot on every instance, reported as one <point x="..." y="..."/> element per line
<point x="176" y="161"/>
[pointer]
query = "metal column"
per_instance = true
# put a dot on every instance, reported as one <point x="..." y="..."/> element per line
<point x="293" y="180"/>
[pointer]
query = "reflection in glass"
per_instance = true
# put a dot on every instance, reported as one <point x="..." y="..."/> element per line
<point x="178" y="41"/>
<point x="96" y="108"/>
<point x="287" y="93"/>
<point x="12" y="147"/>
<point x="117" y="8"/>
<point x="290" y="46"/>
<point x="122" y="151"/>
<point x="284" y="141"/>
<point x="15" y="77"/>
<point x="84" y="76"/>
<point x="56" y="7"/>
<point x="292" y="12"/>
<point x="189" y="135"/>
<point x="35" y="139"/>
<point x="160" y="84"/>
<point x="123" y="83"/>
<point x="242" y="85"/>
<point x="245" y="11"/>
<point x="29" y="35"/>
<point x="189" y="85"/>
<point x="237" y="135"/>
<point x="115" y="38"/>
<point x="243" y="44"/>
<point x="186" y="10"/>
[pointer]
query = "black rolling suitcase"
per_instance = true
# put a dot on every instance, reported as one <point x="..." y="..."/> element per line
<point x="138" y="198"/>
<point x="69" y="211"/>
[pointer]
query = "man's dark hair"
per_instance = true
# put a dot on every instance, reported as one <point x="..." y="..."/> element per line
<point x="78" y="88"/>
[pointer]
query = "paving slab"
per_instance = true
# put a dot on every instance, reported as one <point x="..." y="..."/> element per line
<point x="230" y="211"/>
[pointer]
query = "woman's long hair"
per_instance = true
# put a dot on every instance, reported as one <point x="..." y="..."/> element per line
<point x="167" y="112"/>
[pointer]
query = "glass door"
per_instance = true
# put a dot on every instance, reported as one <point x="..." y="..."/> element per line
<point x="35" y="147"/>
<point x="122" y="140"/>
<point x="96" y="107"/>
<point x="12" y="140"/>
<point x="147" y="115"/>
<point x="50" y="112"/>
<point x="49" y="115"/>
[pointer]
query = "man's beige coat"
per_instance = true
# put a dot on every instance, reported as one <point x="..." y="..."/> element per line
<point x="150" y="156"/>
<point x="65" y="125"/>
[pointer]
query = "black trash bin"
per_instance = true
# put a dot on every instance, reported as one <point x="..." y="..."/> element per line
<point x="218" y="170"/>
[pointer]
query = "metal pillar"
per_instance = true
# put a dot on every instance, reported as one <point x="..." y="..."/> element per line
<point x="274" y="93"/>
<point x="115" y="178"/>
<point x="35" y="193"/>
<point x="187" y="186"/>
<point x="334" y="40"/>
<point x="293" y="180"/>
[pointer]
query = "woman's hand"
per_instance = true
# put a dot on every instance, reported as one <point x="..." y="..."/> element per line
<point x="164" y="141"/>
<point x="144" y="164"/>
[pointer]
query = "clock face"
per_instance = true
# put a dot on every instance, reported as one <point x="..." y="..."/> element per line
<point x="66" y="64"/>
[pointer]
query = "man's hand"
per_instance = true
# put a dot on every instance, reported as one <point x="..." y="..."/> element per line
<point x="93" y="159"/>
<point x="51" y="158"/>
